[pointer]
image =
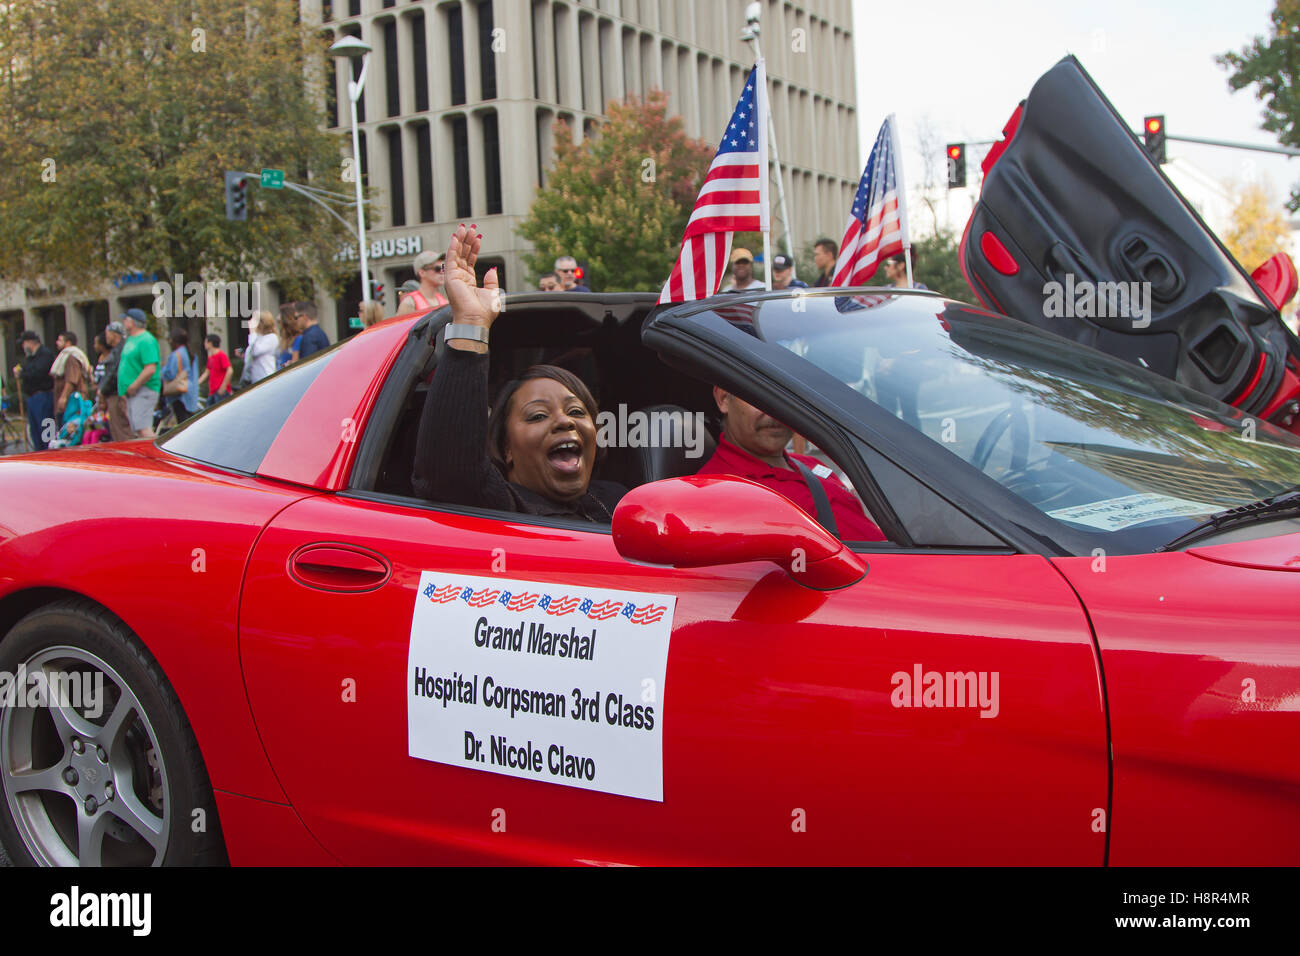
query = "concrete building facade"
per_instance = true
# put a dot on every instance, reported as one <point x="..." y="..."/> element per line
<point x="457" y="113"/>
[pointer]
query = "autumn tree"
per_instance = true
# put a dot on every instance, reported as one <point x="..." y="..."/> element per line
<point x="1257" y="229"/>
<point x="1272" y="65"/>
<point x="619" y="201"/>
<point x="118" y="119"/>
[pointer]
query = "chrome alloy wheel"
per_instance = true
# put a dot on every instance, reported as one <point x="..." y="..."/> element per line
<point x="82" y="772"/>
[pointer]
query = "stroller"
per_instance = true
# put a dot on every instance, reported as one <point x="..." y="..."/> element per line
<point x="74" y="421"/>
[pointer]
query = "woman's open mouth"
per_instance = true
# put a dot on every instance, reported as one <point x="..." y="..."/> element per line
<point x="566" y="457"/>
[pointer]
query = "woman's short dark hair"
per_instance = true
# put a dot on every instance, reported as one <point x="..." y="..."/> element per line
<point x="497" y="419"/>
<point x="178" y="336"/>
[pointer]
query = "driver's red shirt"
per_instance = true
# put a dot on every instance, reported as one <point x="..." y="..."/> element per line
<point x="851" y="522"/>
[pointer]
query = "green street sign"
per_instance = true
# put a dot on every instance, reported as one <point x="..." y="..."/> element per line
<point x="273" y="179"/>
<point x="354" y="322"/>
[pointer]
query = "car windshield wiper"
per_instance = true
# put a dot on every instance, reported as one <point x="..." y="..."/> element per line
<point x="1265" y="508"/>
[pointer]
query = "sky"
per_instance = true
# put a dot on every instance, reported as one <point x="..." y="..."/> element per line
<point x="962" y="67"/>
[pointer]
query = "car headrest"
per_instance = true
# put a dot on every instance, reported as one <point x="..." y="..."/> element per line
<point x="676" y="444"/>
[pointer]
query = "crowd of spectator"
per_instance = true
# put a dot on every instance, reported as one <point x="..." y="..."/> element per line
<point x="128" y="390"/>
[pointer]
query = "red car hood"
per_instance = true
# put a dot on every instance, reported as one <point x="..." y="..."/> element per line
<point x="1279" y="553"/>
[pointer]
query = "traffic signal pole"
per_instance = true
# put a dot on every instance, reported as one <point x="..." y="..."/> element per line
<point x="314" y="193"/>
<point x="1284" y="150"/>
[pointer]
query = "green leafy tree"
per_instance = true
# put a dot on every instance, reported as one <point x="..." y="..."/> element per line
<point x="117" y="121"/>
<point x="935" y="263"/>
<point x="619" y="201"/>
<point x="1272" y="65"/>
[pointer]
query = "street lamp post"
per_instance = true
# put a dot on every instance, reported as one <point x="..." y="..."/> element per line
<point x="753" y="13"/>
<point x="350" y="47"/>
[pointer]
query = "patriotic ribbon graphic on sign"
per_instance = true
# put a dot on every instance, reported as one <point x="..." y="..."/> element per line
<point x="593" y="608"/>
<point x="733" y="198"/>
<point x="877" y="226"/>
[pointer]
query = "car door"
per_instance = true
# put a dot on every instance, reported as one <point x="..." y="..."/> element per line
<point x="1079" y="232"/>
<point x="792" y="725"/>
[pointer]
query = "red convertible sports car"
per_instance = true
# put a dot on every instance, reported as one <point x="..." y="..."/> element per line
<point x="250" y="640"/>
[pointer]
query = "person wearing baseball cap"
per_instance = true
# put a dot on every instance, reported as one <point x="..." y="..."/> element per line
<point x="742" y="272"/>
<point x="429" y="268"/>
<point x="782" y="273"/>
<point x="138" y="375"/>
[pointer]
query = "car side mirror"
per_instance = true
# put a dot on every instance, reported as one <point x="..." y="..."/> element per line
<point x="706" y="520"/>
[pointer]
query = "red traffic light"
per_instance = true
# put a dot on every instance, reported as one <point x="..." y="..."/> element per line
<point x="954" y="152"/>
<point x="1154" y="124"/>
<point x="577" y="274"/>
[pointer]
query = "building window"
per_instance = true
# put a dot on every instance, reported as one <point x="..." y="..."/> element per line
<point x="392" y="76"/>
<point x="545" y="143"/>
<point x="587" y="60"/>
<point x="424" y="168"/>
<point x="492" y="162"/>
<point x="456" y="54"/>
<point x="647" y="64"/>
<point x="487" y="59"/>
<point x="365" y="160"/>
<point x="560" y="34"/>
<point x="539" y="27"/>
<point x="629" y="62"/>
<point x="354" y="8"/>
<point x="331" y="87"/>
<point x="460" y="158"/>
<point x="326" y="10"/>
<point x="419" y="63"/>
<point x="605" y="53"/>
<point x="396" y="181"/>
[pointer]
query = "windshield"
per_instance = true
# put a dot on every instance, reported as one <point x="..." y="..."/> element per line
<point x="1104" y="447"/>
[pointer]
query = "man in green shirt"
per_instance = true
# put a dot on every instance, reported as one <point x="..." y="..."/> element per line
<point x="138" y="378"/>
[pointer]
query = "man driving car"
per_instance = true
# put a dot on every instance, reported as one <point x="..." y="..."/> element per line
<point x="752" y="446"/>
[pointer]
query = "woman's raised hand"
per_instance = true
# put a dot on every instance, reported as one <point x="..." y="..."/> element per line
<point x="469" y="303"/>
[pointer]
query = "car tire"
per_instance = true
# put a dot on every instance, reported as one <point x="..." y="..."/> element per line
<point x="97" y="770"/>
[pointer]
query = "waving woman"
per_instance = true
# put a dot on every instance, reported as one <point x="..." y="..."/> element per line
<point x="535" y="452"/>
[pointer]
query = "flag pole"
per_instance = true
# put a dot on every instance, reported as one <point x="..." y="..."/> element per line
<point x="762" y="124"/>
<point x="902" y="197"/>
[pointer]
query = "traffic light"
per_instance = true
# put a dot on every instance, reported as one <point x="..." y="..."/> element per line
<point x="236" y="197"/>
<point x="376" y="290"/>
<point x="956" y="165"/>
<point x="1153" y="134"/>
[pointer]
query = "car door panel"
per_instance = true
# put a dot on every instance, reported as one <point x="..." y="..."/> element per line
<point x="781" y="739"/>
<point x="1203" y="681"/>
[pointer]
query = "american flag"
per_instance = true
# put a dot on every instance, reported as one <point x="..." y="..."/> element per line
<point x="742" y="316"/>
<point x="733" y="198"/>
<point x="877" y="226"/>
<point x="856" y="303"/>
